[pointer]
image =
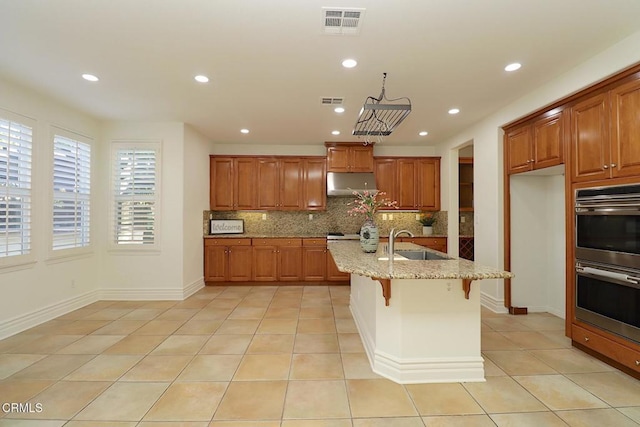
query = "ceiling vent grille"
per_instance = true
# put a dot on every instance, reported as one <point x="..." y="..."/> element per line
<point x="328" y="100"/>
<point x="345" y="21"/>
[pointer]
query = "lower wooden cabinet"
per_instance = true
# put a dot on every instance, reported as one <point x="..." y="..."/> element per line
<point x="227" y="260"/>
<point x="314" y="260"/>
<point x="600" y="343"/>
<point x="270" y="260"/>
<point x="333" y="274"/>
<point x="277" y="260"/>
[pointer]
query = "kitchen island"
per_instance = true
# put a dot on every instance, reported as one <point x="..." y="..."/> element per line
<point x="419" y="320"/>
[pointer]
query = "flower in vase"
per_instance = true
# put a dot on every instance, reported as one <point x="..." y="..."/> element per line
<point x="427" y="219"/>
<point x="368" y="203"/>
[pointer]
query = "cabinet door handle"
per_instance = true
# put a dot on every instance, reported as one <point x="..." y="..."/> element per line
<point x="586" y="339"/>
<point x="528" y="161"/>
<point x="637" y="362"/>
<point x="533" y="161"/>
<point x="606" y="167"/>
<point x="613" y="165"/>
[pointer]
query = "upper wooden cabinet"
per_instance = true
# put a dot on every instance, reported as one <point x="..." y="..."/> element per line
<point x="605" y="131"/>
<point x="268" y="183"/>
<point x="314" y="182"/>
<point x="536" y="145"/>
<point x="343" y="157"/>
<point x="414" y="182"/>
<point x="280" y="183"/>
<point x="232" y="183"/>
<point x="590" y="139"/>
<point x="625" y="130"/>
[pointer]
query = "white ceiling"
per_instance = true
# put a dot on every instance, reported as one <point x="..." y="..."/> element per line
<point x="270" y="63"/>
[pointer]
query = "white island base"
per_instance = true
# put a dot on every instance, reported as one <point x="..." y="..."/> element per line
<point x="429" y="332"/>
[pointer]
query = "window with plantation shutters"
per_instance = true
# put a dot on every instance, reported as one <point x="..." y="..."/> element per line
<point x="135" y="194"/>
<point x="71" y="193"/>
<point x="15" y="188"/>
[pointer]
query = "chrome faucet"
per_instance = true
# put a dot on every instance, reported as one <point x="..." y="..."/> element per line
<point x="392" y="240"/>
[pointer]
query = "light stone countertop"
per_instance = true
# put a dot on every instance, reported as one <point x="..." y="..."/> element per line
<point x="350" y="258"/>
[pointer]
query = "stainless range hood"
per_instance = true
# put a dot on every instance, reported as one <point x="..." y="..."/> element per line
<point x="345" y="183"/>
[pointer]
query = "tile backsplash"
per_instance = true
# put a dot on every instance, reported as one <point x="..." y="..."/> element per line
<point x="334" y="219"/>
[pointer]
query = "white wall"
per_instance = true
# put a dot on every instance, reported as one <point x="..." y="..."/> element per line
<point x="144" y="275"/>
<point x="43" y="290"/>
<point x="195" y="200"/>
<point x="486" y="136"/>
<point x="538" y="243"/>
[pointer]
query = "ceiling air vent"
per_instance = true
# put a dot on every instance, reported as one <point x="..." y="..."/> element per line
<point x="328" y="100"/>
<point x="345" y="21"/>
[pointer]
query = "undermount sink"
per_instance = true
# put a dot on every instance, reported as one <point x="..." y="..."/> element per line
<point x="420" y="255"/>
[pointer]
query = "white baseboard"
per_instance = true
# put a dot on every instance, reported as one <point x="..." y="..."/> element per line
<point x="494" y="304"/>
<point x="37" y="317"/>
<point x="193" y="287"/>
<point x="151" y="294"/>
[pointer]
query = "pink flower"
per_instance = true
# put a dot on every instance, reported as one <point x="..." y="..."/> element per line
<point x="368" y="203"/>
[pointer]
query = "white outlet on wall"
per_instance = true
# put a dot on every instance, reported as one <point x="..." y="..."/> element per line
<point x="384" y="216"/>
<point x="264" y="216"/>
<point x="417" y="217"/>
<point x="390" y="217"/>
<point x="310" y="217"/>
<point x="463" y="219"/>
<point x="73" y="283"/>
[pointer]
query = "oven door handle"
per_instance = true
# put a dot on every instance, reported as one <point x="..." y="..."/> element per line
<point x="609" y="275"/>
<point x="587" y="209"/>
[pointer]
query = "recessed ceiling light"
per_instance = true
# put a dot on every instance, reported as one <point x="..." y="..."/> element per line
<point x="335" y="132"/>
<point x="454" y="111"/>
<point x="201" y="79"/>
<point x="423" y="133"/>
<point x="339" y="110"/>
<point x="513" y="67"/>
<point x="244" y="130"/>
<point x="349" y="63"/>
<point x="90" y="77"/>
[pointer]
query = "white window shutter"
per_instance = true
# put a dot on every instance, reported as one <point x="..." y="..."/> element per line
<point x="15" y="188"/>
<point x="135" y="196"/>
<point x="71" y="193"/>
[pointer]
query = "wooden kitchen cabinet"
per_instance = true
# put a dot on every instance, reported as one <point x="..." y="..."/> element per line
<point x="344" y="157"/>
<point x="590" y="139"/>
<point x="267" y="183"/>
<point x="315" y="184"/>
<point x="385" y="174"/>
<point x="624" y="353"/>
<point x="232" y="183"/>
<point x="605" y="132"/>
<point x="333" y="274"/>
<point x="277" y="260"/>
<point x="280" y="183"/>
<point x="414" y="182"/>
<point x="314" y="260"/>
<point x="536" y="145"/>
<point x="227" y="260"/>
<point x="625" y="130"/>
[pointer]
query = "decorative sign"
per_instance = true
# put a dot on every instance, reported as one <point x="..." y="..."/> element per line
<point x="227" y="226"/>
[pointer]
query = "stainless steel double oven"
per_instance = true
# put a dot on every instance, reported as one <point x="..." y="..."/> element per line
<point x="607" y="252"/>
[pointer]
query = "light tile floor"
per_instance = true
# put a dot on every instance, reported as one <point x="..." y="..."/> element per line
<point x="289" y="357"/>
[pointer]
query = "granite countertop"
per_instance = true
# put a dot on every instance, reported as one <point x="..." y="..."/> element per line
<point x="350" y="258"/>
